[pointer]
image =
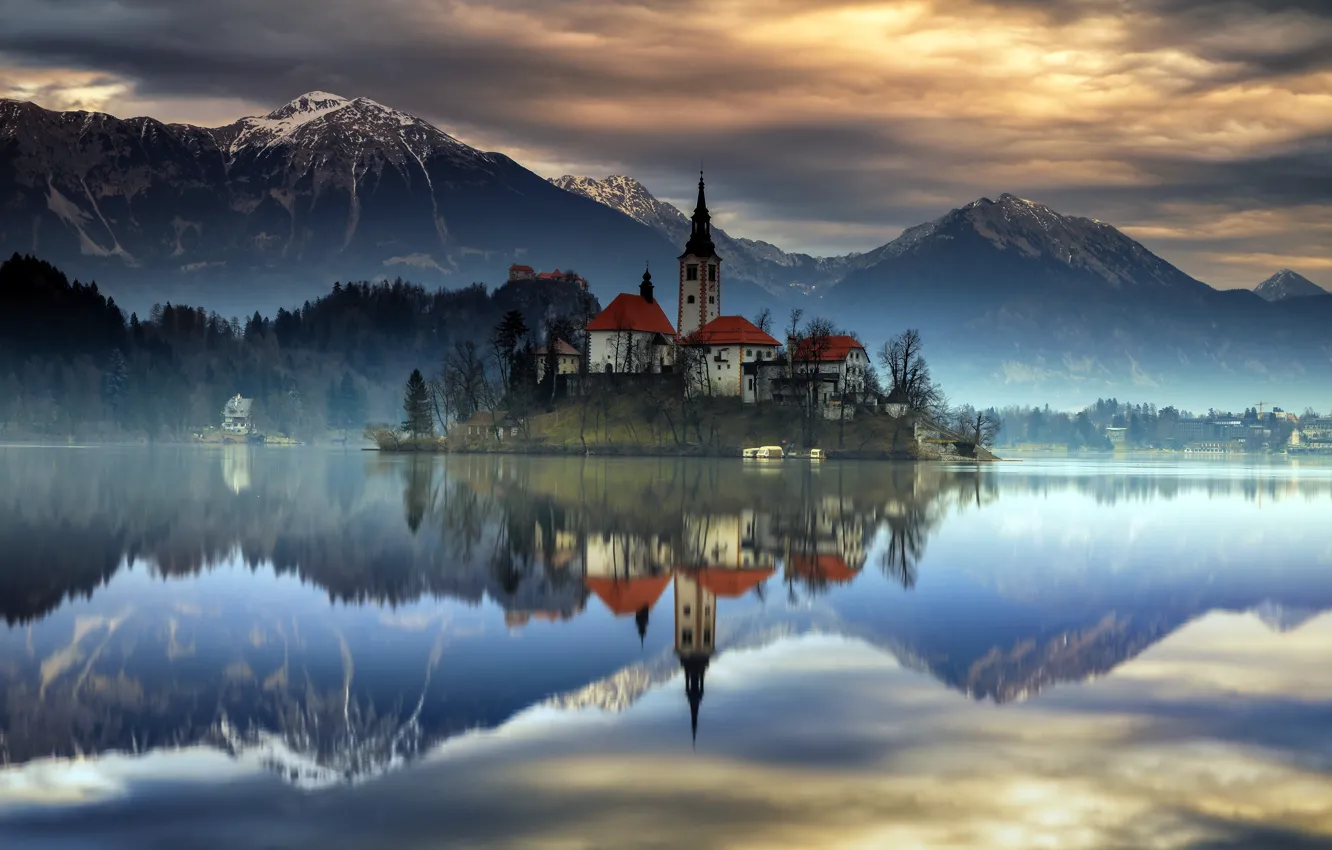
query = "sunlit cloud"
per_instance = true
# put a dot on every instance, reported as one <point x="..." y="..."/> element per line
<point x="826" y="127"/>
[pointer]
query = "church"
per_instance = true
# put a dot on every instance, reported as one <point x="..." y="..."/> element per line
<point x="634" y="335"/>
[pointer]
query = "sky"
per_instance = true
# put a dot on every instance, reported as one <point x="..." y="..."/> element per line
<point x="1202" y="128"/>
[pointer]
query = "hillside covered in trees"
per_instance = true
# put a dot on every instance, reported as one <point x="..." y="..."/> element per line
<point x="73" y="365"/>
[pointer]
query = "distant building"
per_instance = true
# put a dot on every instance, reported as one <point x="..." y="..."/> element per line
<point x="1117" y="436"/>
<point x="632" y="335"/>
<point x="521" y="272"/>
<point x="236" y="415"/>
<point x="567" y="359"/>
<point x="730" y="349"/>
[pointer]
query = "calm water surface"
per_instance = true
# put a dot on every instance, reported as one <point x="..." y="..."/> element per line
<point x="249" y="647"/>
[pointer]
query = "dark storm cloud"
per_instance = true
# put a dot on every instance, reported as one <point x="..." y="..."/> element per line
<point x="813" y="118"/>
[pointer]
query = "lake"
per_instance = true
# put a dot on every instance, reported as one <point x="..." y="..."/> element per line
<point x="283" y="648"/>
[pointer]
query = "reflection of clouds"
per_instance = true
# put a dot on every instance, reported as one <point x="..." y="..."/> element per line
<point x="1224" y="655"/>
<point x="818" y="742"/>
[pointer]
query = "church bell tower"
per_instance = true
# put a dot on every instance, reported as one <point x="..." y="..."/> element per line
<point x="700" y="272"/>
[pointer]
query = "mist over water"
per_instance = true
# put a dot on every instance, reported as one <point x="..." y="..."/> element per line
<point x="244" y="645"/>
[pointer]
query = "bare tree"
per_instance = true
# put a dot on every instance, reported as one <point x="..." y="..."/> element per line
<point x="909" y="373"/>
<point x="763" y="320"/>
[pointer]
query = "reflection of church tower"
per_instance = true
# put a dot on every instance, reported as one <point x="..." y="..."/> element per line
<point x="700" y="272"/>
<point x="695" y="627"/>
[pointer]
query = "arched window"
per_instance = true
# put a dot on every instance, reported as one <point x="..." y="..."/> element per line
<point x="712" y="299"/>
<point x="689" y="300"/>
<point x="712" y="272"/>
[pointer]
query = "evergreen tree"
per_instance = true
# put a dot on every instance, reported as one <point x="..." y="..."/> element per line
<point x="416" y="404"/>
<point x="115" y="382"/>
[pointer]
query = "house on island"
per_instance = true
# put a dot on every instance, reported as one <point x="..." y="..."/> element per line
<point x="632" y="335"/>
<point x="497" y="425"/>
<point x="567" y="359"/>
<point x="729" y="351"/>
<point x="829" y="367"/>
<point x="236" y="415"/>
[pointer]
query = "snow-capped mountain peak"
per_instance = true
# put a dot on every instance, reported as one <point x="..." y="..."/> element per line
<point x="629" y="197"/>
<point x="323" y="120"/>
<point x="1287" y="284"/>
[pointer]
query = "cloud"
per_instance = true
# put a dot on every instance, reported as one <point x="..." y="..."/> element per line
<point x="795" y="751"/>
<point x="824" y="126"/>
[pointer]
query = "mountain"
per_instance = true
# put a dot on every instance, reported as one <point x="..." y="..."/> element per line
<point x="1287" y="284"/>
<point x="269" y="210"/>
<point x="1019" y="302"/>
<point x="760" y="263"/>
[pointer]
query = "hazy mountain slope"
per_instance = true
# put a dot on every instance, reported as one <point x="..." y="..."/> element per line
<point x="1019" y="303"/>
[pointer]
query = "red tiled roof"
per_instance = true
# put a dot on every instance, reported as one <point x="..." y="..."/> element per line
<point x="826" y="567"/>
<point x="562" y="348"/>
<point x="731" y="330"/>
<point x="517" y="268"/>
<point x="837" y="347"/>
<point x="732" y="583"/>
<point x="631" y="313"/>
<point x="624" y="596"/>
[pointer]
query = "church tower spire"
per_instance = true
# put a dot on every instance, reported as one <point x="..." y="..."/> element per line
<point x="700" y="271"/>
<point x="695" y="630"/>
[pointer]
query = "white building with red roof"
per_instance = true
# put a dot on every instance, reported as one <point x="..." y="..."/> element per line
<point x="632" y="335"/>
<point x="728" y="352"/>
<point x="832" y="366"/>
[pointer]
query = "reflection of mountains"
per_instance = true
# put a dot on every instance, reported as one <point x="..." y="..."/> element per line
<point x="538" y="537"/>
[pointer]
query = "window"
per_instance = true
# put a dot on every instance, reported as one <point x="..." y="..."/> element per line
<point x="749" y="352"/>
<point x="685" y="610"/>
<point x="712" y="272"/>
<point x="691" y="272"/>
<point x="707" y="637"/>
<point x="687" y="637"/>
<point x="751" y="383"/>
<point x="689" y="300"/>
<point x="712" y="299"/>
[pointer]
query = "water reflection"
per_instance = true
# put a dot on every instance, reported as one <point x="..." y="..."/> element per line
<point x="337" y="616"/>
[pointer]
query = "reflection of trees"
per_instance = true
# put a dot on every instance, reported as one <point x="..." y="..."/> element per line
<point x="392" y="529"/>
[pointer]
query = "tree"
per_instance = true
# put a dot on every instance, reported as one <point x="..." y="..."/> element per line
<point x="504" y="340"/>
<point x="346" y="404"/>
<point x="980" y="427"/>
<point x="909" y="375"/>
<point x="115" y="382"/>
<point x="763" y="320"/>
<point x="416" y="405"/>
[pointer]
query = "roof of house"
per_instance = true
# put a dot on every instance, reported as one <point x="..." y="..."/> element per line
<point x="237" y="406"/>
<point x="632" y="313"/>
<point x="832" y="568"/>
<point x="518" y="268"/>
<point x="837" y="347"/>
<point x="562" y="348"/>
<point x="729" y="583"/>
<point x="731" y="330"/>
<point x="625" y="596"/>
